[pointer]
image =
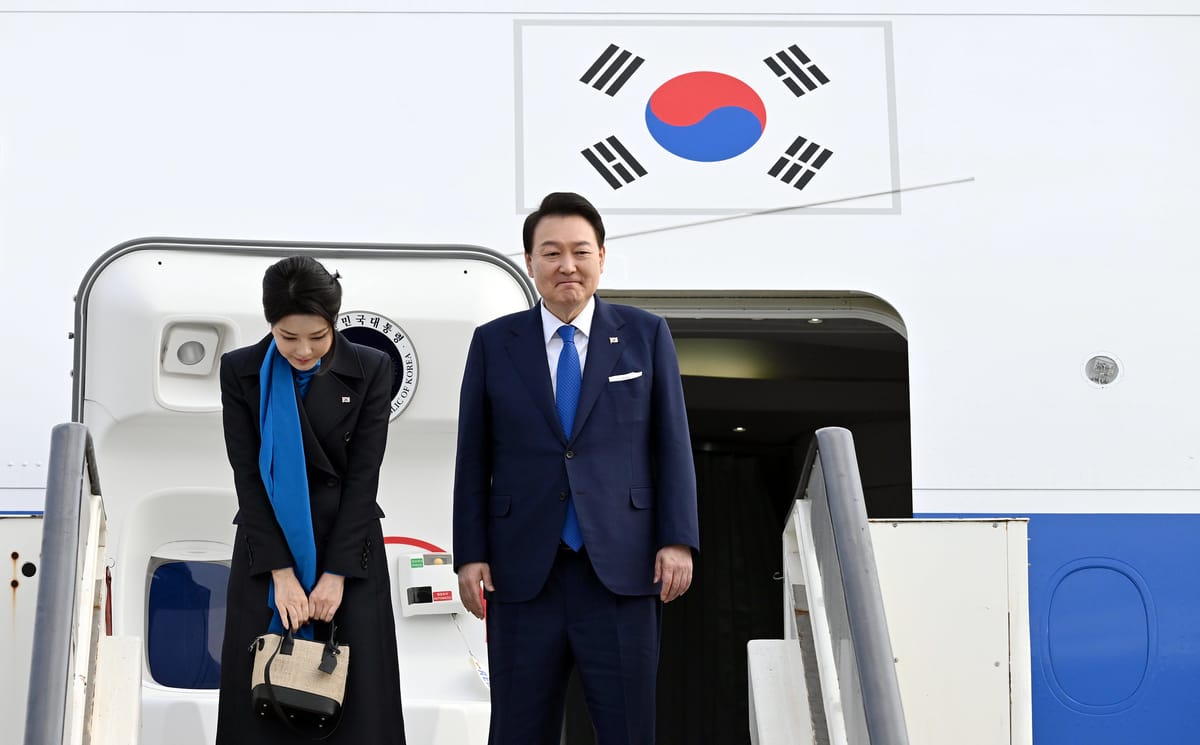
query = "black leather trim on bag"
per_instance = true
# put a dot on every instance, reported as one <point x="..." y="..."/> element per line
<point x="306" y="713"/>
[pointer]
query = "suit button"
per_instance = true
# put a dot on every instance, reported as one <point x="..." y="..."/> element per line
<point x="331" y="482"/>
<point x="562" y="496"/>
<point x="570" y="454"/>
<point x="346" y="437"/>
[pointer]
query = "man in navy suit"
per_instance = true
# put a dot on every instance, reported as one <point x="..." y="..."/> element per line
<point x="574" y="492"/>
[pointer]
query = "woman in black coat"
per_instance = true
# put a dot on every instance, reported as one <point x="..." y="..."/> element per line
<point x="340" y="393"/>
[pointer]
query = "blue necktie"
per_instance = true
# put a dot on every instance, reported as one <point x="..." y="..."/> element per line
<point x="566" y="401"/>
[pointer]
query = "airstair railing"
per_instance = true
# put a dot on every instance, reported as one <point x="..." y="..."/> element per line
<point x="871" y="704"/>
<point x="69" y="615"/>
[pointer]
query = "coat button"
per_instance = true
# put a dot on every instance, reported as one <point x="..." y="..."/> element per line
<point x="562" y="496"/>
<point x="331" y="483"/>
<point x="346" y="437"/>
<point x="570" y="454"/>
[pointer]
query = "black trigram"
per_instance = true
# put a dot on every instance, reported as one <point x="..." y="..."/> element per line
<point x="612" y="161"/>
<point x="800" y="163"/>
<point x="796" y="70"/>
<point x="614" y="64"/>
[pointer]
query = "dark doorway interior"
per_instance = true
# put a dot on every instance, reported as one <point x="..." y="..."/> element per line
<point x="756" y="390"/>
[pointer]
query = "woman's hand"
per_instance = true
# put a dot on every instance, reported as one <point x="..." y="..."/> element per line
<point x="326" y="597"/>
<point x="290" y="601"/>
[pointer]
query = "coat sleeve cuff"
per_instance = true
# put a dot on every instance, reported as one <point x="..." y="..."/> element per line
<point x="353" y="560"/>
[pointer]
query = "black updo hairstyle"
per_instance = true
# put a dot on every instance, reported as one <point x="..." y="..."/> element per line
<point x="299" y="285"/>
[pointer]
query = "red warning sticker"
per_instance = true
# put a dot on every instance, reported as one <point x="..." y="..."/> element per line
<point x="443" y="595"/>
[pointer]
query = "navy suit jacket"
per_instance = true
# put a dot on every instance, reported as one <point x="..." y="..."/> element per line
<point x="628" y="461"/>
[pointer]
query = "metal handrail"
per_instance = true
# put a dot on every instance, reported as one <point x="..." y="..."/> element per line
<point x="831" y="481"/>
<point x="72" y="481"/>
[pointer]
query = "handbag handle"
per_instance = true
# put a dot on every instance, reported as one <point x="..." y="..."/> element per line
<point x="329" y="656"/>
<point x="286" y="642"/>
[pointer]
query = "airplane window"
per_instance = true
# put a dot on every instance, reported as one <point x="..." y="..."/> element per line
<point x="186" y="622"/>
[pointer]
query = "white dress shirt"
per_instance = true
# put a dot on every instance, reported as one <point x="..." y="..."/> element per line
<point x="554" y="342"/>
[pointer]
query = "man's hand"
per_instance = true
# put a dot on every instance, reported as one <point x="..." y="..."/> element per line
<point x="326" y="597"/>
<point x="673" y="567"/>
<point x="470" y="576"/>
<point x="290" y="599"/>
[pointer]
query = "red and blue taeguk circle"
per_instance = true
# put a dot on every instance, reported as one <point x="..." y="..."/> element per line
<point x="705" y="116"/>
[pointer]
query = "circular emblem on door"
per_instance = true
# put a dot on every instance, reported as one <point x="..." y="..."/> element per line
<point x="384" y="334"/>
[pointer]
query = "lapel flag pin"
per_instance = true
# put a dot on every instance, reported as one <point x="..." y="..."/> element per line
<point x="345" y="399"/>
<point x="612" y="340"/>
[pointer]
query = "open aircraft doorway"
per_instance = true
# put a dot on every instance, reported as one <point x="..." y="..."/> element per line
<point x="761" y="373"/>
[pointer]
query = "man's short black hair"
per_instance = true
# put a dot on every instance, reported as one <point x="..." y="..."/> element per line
<point x="563" y="203"/>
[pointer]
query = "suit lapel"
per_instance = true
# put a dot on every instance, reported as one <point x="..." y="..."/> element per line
<point x="329" y="403"/>
<point x="602" y="356"/>
<point x="527" y="350"/>
<point x="314" y="414"/>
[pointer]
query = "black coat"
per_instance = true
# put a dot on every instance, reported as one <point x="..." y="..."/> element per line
<point x="344" y="419"/>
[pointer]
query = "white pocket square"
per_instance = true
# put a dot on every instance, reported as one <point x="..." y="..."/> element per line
<point x="624" y="376"/>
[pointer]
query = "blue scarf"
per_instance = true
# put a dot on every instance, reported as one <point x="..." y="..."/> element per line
<point x="285" y="474"/>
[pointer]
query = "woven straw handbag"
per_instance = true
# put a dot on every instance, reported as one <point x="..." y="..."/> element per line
<point x="303" y="682"/>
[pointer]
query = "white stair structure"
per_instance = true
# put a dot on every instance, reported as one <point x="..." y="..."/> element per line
<point x="84" y="684"/>
<point x="931" y="613"/>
